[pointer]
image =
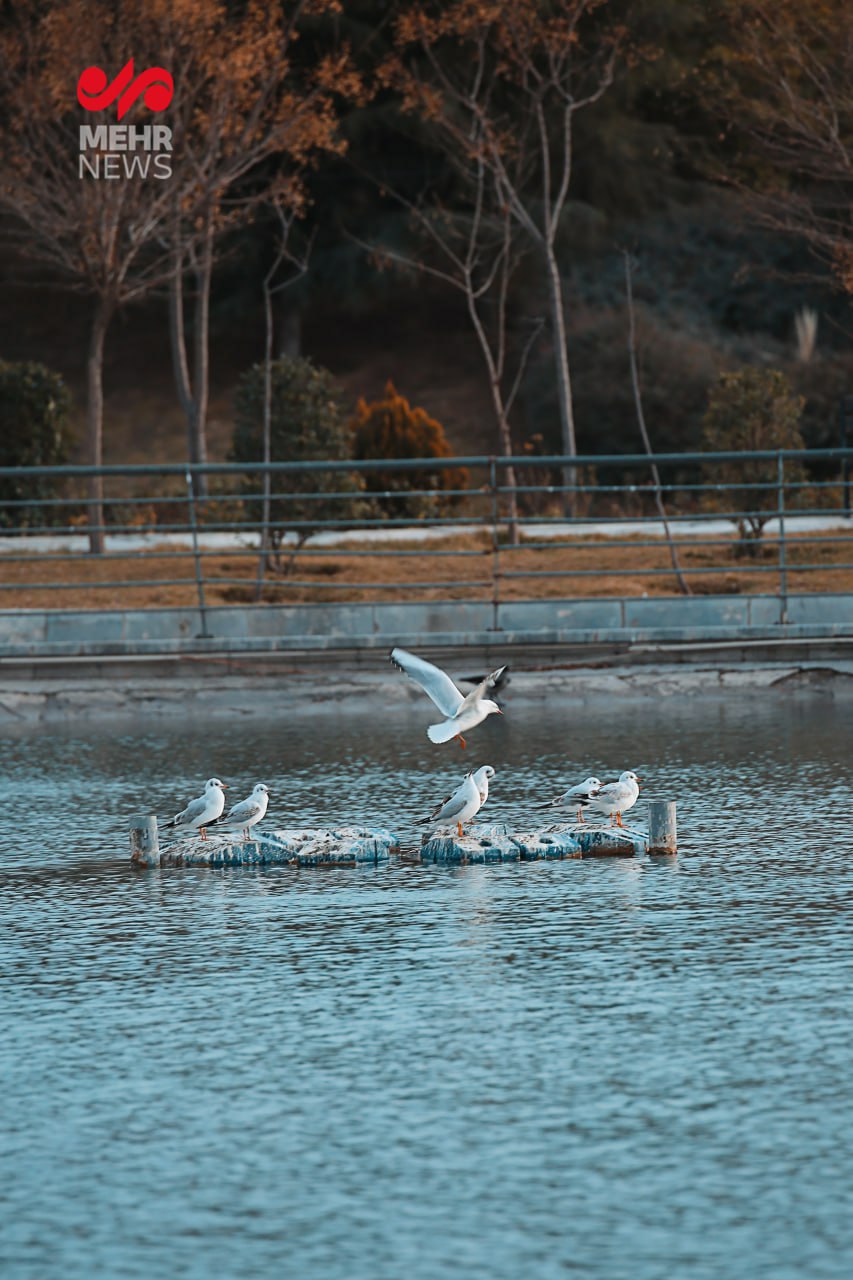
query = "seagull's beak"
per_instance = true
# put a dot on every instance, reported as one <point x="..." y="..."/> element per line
<point x="500" y="712"/>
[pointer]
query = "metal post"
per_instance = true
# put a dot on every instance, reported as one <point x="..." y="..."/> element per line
<point x="783" y="568"/>
<point x="663" y="834"/>
<point x="144" y="844"/>
<point x="845" y="415"/>
<point x="204" y="634"/>
<point x="496" y="546"/>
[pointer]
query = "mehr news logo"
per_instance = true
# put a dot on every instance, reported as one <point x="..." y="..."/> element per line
<point x="125" y="150"/>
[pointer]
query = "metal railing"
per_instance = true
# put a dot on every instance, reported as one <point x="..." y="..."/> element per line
<point x="196" y="535"/>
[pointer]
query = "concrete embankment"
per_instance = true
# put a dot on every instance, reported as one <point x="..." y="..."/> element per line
<point x="164" y="661"/>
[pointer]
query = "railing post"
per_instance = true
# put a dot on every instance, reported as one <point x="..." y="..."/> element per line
<point x="496" y="546"/>
<point x="783" y="568"/>
<point x="204" y="634"/>
<point x="845" y="415"/>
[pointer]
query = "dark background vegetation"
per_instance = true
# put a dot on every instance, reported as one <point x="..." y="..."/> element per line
<point x="714" y="290"/>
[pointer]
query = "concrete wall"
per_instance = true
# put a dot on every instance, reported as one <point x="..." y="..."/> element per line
<point x="306" y="627"/>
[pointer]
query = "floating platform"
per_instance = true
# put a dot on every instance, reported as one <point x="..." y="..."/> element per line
<point x="498" y="844"/>
<point x="354" y="846"/>
<point x="299" y="847"/>
<point x="610" y="842"/>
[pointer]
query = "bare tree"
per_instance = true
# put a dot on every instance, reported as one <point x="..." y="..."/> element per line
<point x="476" y="251"/>
<point x="541" y="64"/>
<point x="641" y="421"/>
<point x="249" y="120"/>
<point x="100" y="236"/>
<point x="785" y="77"/>
<point x="297" y="265"/>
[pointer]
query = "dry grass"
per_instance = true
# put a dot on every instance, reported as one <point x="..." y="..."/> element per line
<point x="570" y="569"/>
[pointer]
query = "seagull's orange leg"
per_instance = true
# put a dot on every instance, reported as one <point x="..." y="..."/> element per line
<point x="619" y="821"/>
<point x="459" y="829"/>
<point x="203" y="833"/>
<point x="461" y="742"/>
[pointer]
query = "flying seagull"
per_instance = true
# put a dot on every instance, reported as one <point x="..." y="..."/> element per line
<point x="460" y="713"/>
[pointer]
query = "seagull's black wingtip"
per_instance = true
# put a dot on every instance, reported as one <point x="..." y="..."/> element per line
<point x="394" y="661"/>
<point x="498" y="679"/>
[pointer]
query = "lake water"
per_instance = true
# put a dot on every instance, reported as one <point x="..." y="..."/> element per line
<point x="623" y="1068"/>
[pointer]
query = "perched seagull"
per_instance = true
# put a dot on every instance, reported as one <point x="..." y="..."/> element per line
<point x="577" y="798"/>
<point x="481" y="777"/>
<point x="466" y="801"/>
<point x="248" y="811"/>
<point x="201" y="812"/>
<point x="461" y="713"/>
<point x="616" y="797"/>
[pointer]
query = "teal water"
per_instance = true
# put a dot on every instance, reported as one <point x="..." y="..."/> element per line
<point x="606" y="1069"/>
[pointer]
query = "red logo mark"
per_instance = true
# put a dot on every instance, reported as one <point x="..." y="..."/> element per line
<point x="155" y="86"/>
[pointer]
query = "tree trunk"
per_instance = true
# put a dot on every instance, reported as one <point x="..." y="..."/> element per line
<point x="178" y="342"/>
<point x="504" y="435"/>
<point x="265" y="540"/>
<point x="641" y="422"/>
<point x="564" y="381"/>
<point x="201" y="359"/>
<point x="95" y="423"/>
<point x="509" y="472"/>
<point x="192" y="392"/>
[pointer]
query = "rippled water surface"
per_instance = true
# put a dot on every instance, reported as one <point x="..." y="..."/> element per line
<point x="613" y="1068"/>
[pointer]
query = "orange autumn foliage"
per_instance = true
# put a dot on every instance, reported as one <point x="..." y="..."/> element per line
<point x="391" y="428"/>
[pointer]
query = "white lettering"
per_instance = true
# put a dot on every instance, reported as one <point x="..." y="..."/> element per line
<point x="96" y="137"/>
<point x="110" y="143"/>
<point x="136" y="164"/>
<point x="139" y="136"/>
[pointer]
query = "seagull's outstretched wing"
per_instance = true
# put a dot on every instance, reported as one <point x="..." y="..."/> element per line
<point x="500" y="679"/>
<point x="486" y="686"/>
<point x="435" y="683"/>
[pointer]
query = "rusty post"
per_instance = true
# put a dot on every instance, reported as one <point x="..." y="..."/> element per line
<point x="144" y="844"/>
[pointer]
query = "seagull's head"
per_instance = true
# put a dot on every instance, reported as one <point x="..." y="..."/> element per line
<point x="491" y="708"/>
<point x="260" y="789"/>
<point x="486" y="771"/>
<point x="629" y="776"/>
<point x="213" y="784"/>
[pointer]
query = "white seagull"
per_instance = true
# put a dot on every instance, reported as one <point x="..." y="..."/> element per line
<point x="249" y="811"/>
<point x="577" y="798"/>
<point x="465" y="802"/>
<point x="481" y="778"/>
<point x="616" y="797"/>
<point x="460" y="713"/>
<point x="201" y="812"/>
